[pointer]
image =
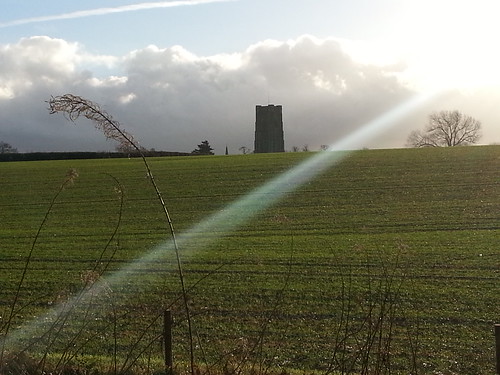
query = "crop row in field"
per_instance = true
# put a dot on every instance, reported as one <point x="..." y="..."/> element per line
<point x="402" y="244"/>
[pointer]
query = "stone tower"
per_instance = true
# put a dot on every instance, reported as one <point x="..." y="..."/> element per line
<point x="269" y="129"/>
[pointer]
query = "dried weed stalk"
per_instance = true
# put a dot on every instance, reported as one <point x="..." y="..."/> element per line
<point x="71" y="176"/>
<point x="73" y="107"/>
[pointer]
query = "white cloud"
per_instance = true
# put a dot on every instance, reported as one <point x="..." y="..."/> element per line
<point x="171" y="99"/>
<point x="35" y="60"/>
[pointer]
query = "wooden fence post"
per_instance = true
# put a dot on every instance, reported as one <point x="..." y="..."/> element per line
<point x="167" y="342"/>
<point x="497" y="346"/>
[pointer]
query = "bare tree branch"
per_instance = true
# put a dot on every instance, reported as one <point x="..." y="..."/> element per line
<point x="447" y="128"/>
<point x="72" y="107"/>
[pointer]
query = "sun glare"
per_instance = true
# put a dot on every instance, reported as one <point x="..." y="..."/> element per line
<point x="450" y="44"/>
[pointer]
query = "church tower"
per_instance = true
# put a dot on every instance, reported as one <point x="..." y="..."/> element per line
<point x="269" y="135"/>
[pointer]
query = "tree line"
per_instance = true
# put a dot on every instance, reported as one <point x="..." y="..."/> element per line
<point x="443" y="129"/>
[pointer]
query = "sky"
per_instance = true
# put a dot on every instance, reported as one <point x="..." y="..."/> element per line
<point x="175" y="73"/>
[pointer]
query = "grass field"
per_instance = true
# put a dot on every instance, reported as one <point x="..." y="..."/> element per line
<point x="393" y="254"/>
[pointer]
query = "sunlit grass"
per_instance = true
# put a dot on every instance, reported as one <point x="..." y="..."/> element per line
<point x="434" y="212"/>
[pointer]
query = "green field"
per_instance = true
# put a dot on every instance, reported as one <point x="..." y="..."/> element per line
<point x="390" y="258"/>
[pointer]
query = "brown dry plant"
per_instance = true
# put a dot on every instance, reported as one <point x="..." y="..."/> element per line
<point x="73" y="107"/>
<point x="71" y="176"/>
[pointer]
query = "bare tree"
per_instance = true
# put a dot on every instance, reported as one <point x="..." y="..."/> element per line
<point x="6" y="148"/>
<point x="446" y="129"/>
<point x="244" y="150"/>
<point x="126" y="148"/>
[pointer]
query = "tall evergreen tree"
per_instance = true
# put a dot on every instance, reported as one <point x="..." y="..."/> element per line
<point x="204" y="148"/>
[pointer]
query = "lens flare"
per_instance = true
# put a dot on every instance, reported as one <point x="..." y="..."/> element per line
<point x="235" y="214"/>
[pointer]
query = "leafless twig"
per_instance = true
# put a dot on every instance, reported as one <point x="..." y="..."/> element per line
<point x="73" y="107"/>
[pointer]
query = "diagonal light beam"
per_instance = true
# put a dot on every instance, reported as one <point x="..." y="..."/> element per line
<point x="261" y="198"/>
<point x="237" y="213"/>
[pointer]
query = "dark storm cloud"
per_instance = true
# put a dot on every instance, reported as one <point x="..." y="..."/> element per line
<point x="171" y="99"/>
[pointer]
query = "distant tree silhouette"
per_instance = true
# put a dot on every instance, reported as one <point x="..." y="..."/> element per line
<point x="244" y="150"/>
<point x="447" y="128"/>
<point x="129" y="149"/>
<point x="203" y="149"/>
<point x="6" y="148"/>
